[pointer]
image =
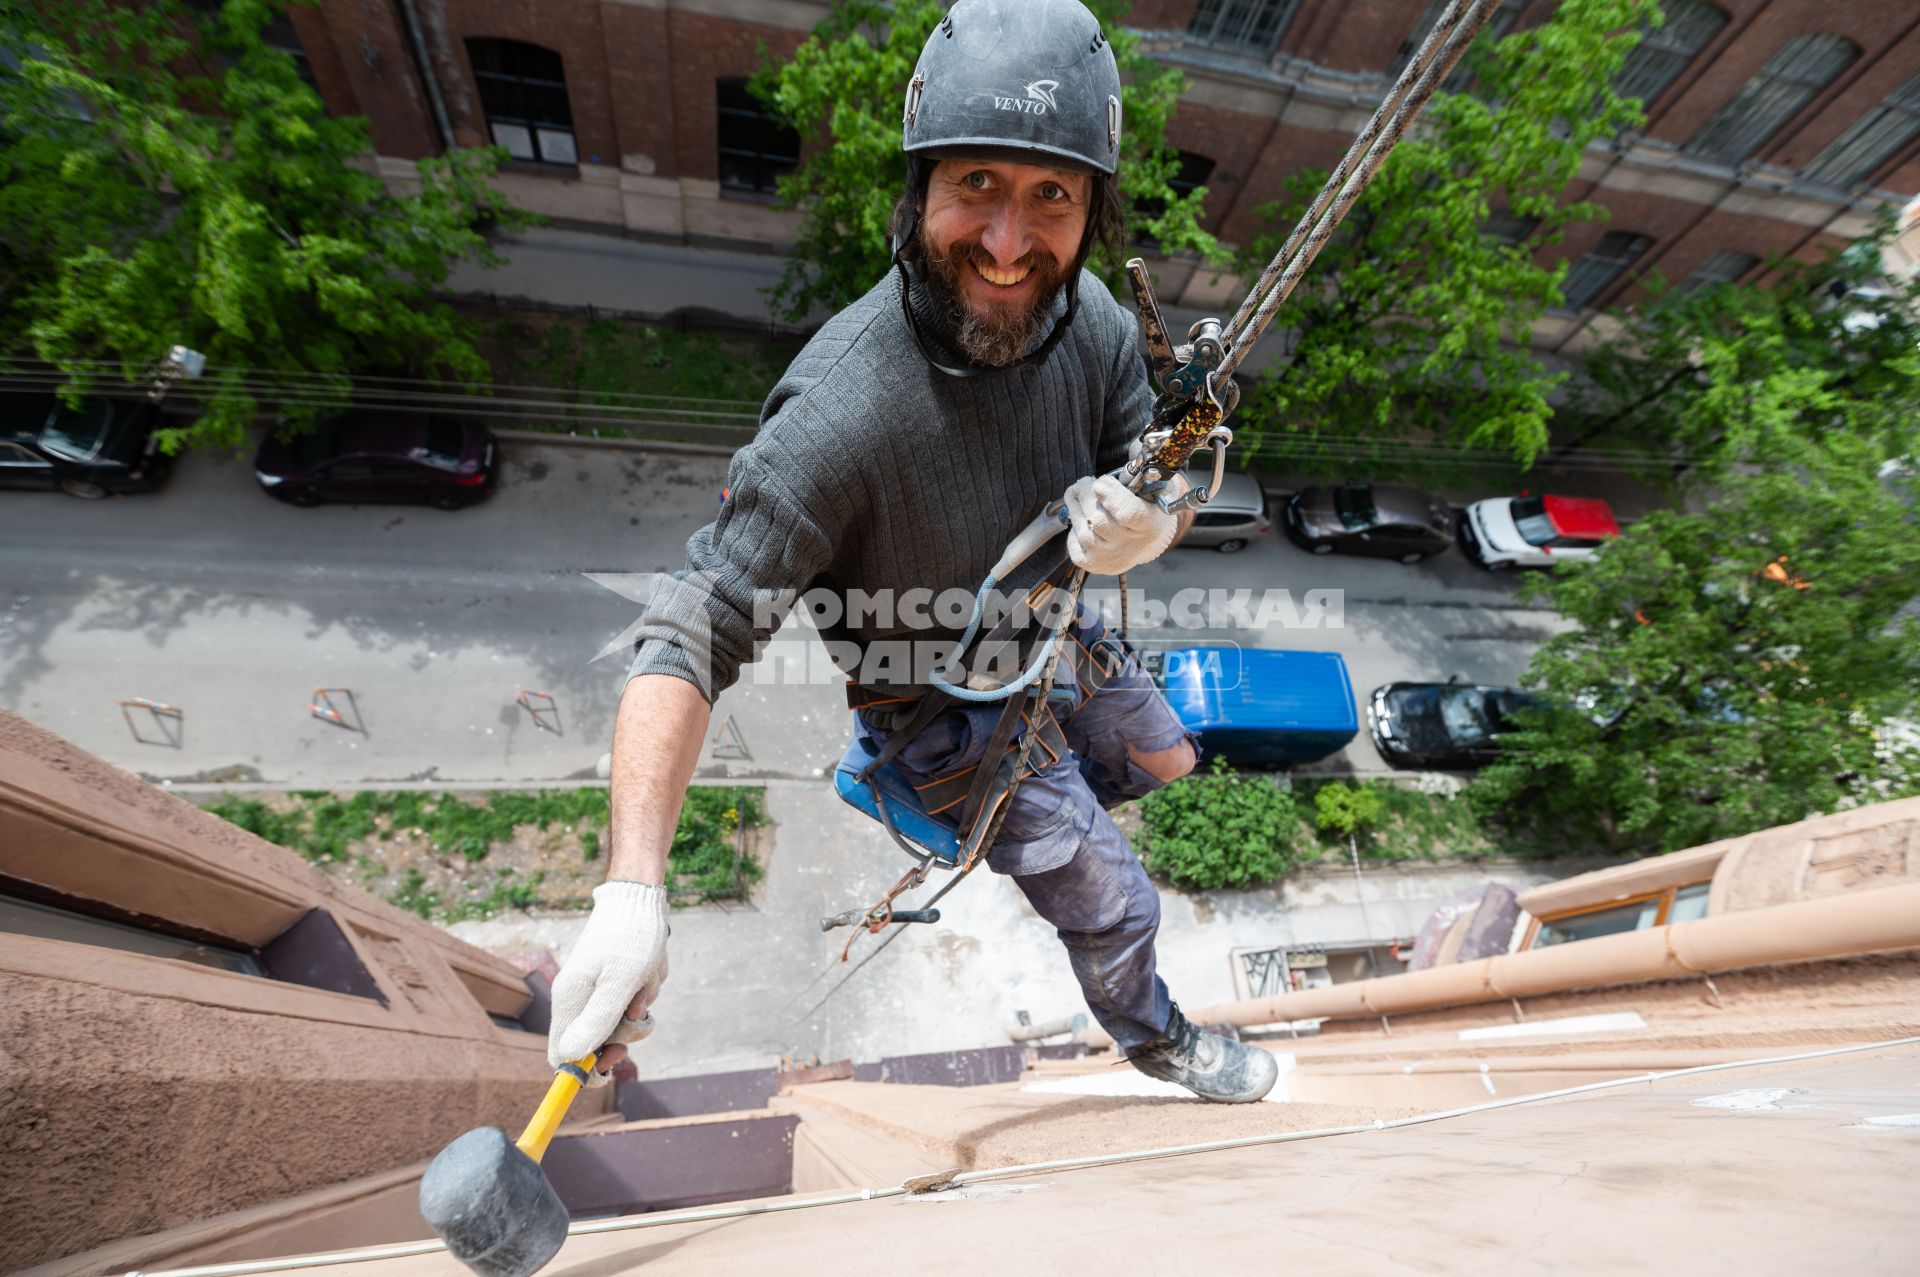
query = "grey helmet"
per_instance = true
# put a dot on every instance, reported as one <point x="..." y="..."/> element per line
<point x="1032" y="76"/>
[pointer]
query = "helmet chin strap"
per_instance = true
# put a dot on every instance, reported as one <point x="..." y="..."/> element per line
<point x="900" y="241"/>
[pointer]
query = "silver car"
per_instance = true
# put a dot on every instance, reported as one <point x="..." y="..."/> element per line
<point x="1236" y="515"/>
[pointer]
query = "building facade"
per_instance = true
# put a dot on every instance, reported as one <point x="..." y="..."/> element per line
<point x="1773" y="126"/>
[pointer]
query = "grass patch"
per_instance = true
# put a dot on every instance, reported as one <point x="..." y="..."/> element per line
<point x="451" y="857"/>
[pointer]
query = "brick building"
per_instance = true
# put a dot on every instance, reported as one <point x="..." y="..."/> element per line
<point x="1773" y="126"/>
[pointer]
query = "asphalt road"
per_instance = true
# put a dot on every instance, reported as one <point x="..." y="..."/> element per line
<point x="212" y="598"/>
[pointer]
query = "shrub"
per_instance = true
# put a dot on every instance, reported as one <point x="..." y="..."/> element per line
<point x="1219" y="830"/>
<point x="1348" y="810"/>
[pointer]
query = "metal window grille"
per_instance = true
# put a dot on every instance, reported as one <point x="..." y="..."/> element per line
<point x="1856" y="154"/>
<point x="1664" y="51"/>
<point x="523" y="90"/>
<point x="1498" y="25"/>
<point x="1603" y="264"/>
<point x="1789" y="80"/>
<point x="1244" y="26"/>
<point x="1724" y="267"/>
<point x="756" y="146"/>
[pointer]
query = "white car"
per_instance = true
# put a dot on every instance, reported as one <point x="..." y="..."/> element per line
<point x="1535" y="532"/>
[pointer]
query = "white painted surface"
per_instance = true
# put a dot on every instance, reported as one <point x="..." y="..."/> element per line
<point x="1611" y="1022"/>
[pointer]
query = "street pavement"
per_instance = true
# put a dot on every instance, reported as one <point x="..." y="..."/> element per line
<point x="215" y="599"/>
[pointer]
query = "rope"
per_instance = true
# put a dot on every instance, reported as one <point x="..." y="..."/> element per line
<point x="585" y="1228"/>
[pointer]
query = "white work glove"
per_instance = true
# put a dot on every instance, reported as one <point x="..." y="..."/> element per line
<point x="621" y="953"/>
<point x="1113" y="530"/>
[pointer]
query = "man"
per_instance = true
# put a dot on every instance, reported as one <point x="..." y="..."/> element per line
<point x="916" y="435"/>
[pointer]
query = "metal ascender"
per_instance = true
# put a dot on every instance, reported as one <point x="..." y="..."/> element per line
<point x="1195" y="398"/>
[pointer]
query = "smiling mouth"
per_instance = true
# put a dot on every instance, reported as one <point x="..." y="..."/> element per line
<point x="1000" y="277"/>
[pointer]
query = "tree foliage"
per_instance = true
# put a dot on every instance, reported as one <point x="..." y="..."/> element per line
<point x="1415" y="320"/>
<point x="166" y="177"/>
<point x="1732" y="375"/>
<point x="1753" y="658"/>
<point x="1219" y="830"/>
<point x="1746" y="664"/>
<point x="842" y="90"/>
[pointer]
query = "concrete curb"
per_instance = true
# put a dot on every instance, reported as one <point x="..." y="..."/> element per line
<point x="621" y="444"/>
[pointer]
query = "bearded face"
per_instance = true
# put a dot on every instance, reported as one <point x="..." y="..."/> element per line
<point x="997" y="241"/>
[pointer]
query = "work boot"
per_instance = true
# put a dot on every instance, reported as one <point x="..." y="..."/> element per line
<point x="1213" y="1067"/>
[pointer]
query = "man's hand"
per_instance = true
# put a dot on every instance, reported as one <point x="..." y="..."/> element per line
<point x="612" y="976"/>
<point x="1113" y="530"/>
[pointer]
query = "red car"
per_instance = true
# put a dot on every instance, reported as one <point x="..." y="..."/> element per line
<point x="420" y="458"/>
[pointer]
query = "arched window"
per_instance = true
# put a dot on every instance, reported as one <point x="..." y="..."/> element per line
<point x="1862" y="149"/>
<point x="1244" y="26"/>
<point x="523" y="90"/>
<point x="1788" y="82"/>
<point x="1725" y="267"/>
<point x="1603" y="264"/>
<point x="1664" y="51"/>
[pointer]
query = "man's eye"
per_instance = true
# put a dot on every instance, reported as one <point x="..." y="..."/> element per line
<point x="977" y="180"/>
<point x="1051" y="191"/>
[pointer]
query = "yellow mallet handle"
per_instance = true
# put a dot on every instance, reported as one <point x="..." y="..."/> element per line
<point x="566" y="1084"/>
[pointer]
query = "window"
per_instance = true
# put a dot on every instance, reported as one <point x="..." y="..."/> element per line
<point x="1765" y="103"/>
<point x="1603" y="264"/>
<point x="1664" y="51"/>
<point x="1193" y="173"/>
<point x="32" y="918"/>
<point x="12" y="454"/>
<point x="1857" y="153"/>
<point x="279" y="34"/>
<point x="1507" y="227"/>
<point x="756" y="146"/>
<point x="1662" y="908"/>
<point x="1498" y="25"/>
<point x="1724" y="267"/>
<point x="1244" y="26"/>
<point x="523" y="90"/>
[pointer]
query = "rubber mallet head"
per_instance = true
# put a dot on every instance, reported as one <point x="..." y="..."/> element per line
<point x="492" y="1205"/>
<point x="488" y="1199"/>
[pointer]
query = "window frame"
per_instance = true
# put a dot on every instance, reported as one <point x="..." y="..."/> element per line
<point x="1665" y="895"/>
<point x="1729" y="136"/>
<point x="1654" y="46"/>
<point x="766" y="166"/>
<point x="1639" y="244"/>
<point x="537" y="128"/>
<point x="1211" y="20"/>
<point x="1903" y="101"/>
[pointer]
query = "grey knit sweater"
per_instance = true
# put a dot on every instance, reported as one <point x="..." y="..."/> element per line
<point x="873" y="471"/>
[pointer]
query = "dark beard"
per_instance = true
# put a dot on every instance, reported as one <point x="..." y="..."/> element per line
<point x="1003" y="335"/>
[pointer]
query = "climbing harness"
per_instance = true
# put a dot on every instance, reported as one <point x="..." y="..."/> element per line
<point x="1196" y="395"/>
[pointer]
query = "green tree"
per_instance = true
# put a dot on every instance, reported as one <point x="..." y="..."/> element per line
<point x="166" y="177"/>
<point x="1415" y="320"/>
<point x="842" y="92"/>
<point x="1750" y="662"/>
<point x="1717" y="378"/>
<point x="1221" y="829"/>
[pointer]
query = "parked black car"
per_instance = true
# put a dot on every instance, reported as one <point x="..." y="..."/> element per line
<point x="379" y="455"/>
<point x="102" y="447"/>
<point x="1443" y="724"/>
<point x="1384" y="520"/>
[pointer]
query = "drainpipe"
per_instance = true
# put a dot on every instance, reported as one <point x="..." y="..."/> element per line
<point x="417" y="43"/>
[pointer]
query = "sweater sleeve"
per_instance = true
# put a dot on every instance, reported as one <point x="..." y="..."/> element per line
<point x="777" y="531"/>
<point x="1129" y="397"/>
